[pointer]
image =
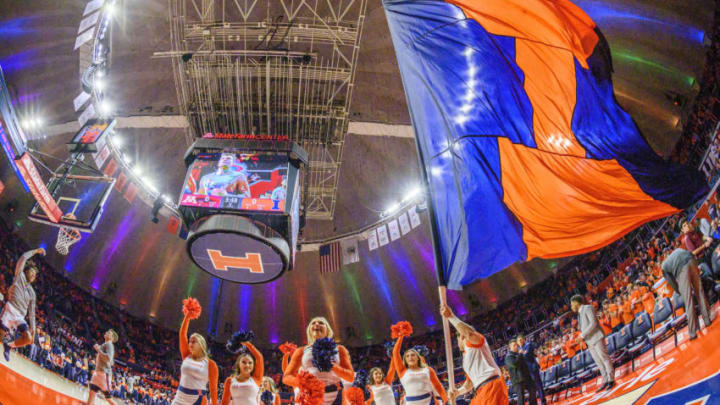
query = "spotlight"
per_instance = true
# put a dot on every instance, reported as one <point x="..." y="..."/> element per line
<point x="110" y="9"/>
<point x="166" y="198"/>
<point x="117" y="142"/>
<point x="391" y="210"/>
<point x="436" y="171"/>
<point x="105" y="107"/>
<point x="137" y="171"/>
<point x="27" y="124"/>
<point x="415" y="192"/>
<point x="157" y="205"/>
<point x="99" y="84"/>
<point x="100" y="73"/>
<point x="149" y="184"/>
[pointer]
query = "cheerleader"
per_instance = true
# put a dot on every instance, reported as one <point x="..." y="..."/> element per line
<point x="342" y="369"/>
<point x="418" y="380"/>
<point x="381" y="386"/>
<point x="243" y="386"/>
<point x="197" y="369"/>
<point x="287" y="350"/>
<point x="484" y="376"/>
<point x="268" y="394"/>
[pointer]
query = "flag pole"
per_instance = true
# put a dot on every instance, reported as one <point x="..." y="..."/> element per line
<point x="437" y="254"/>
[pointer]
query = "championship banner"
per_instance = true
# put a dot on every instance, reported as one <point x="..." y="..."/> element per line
<point x="47" y="203"/>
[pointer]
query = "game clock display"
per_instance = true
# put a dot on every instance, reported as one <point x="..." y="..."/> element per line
<point x="237" y="181"/>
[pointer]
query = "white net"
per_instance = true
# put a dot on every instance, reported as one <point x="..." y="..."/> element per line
<point x="66" y="238"/>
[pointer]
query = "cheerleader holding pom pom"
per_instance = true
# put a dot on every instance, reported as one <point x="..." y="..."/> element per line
<point x="323" y="361"/>
<point x="243" y="386"/>
<point x="269" y="394"/>
<point x="197" y="370"/>
<point x="381" y="391"/>
<point x="419" y="381"/>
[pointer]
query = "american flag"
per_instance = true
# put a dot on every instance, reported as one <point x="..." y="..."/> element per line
<point x="330" y="258"/>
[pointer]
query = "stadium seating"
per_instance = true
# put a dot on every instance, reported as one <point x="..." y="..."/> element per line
<point x="662" y="317"/>
<point x="641" y="326"/>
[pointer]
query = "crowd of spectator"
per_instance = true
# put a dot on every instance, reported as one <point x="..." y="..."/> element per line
<point x="71" y="320"/>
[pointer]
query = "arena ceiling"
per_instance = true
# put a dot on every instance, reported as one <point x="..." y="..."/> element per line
<point x="658" y="53"/>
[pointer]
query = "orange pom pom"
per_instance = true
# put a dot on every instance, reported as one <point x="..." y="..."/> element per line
<point x="312" y="390"/>
<point x="191" y="308"/>
<point x="402" y="328"/>
<point x="288" y="348"/>
<point x="354" y="396"/>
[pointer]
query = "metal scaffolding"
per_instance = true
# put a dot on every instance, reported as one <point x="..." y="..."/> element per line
<point x="279" y="67"/>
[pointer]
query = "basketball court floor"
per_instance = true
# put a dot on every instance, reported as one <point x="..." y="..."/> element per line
<point x="688" y="374"/>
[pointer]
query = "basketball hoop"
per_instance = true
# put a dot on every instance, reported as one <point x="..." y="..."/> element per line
<point x="67" y="237"/>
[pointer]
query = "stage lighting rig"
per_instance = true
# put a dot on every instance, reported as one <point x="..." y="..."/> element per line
<point x="157" y="205"/>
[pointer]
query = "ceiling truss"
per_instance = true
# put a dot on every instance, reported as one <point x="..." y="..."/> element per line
<point x="282" y="67"/>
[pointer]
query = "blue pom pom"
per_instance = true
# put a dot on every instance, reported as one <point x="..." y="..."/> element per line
<point x="361" y="379"/>
<point x="422" y="350"/>
<point x="234" y="344"/>
<point x="266" y="397"/>
<point x="389" y="346"/>
<point x="323" y="352"/>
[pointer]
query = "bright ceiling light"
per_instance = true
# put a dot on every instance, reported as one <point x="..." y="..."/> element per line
<point x="110" y="9"/>
<point x="99" y="84"/>
<point x="413" y="194"/>
<point x="166" y="198"/>
<point x="137" y="171"/>
<point x="150" y="186"/>
<point x="117" y="142"/>
<point x="105" y="107"/>
<point x="392" y="209"/>
<point x="436" y="171"/>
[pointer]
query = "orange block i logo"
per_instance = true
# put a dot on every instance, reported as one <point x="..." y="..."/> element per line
<point x="251" y="261"/>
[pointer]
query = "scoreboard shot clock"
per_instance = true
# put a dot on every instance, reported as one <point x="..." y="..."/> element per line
<point x="241" y="203"/>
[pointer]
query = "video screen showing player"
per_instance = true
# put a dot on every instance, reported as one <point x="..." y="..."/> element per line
<point x="254" y="182"/>
<point x="230" y="178"/>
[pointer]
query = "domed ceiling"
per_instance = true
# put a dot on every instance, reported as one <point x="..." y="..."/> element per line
<point x="658" y="50"/>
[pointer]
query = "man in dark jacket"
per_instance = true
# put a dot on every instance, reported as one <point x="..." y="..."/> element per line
<point x="528" y="348"/>
<point x="519" y="374"/>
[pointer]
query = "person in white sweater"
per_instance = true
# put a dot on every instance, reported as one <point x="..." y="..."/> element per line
<point x="21" y="302"/>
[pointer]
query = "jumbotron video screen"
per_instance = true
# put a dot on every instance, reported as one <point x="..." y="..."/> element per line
<point x="237" y="181"/>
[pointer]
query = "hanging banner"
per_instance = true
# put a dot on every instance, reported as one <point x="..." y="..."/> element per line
<point x="173" y="225"/>
<point x="414" y="217"/>
<point x="111" y="168"/>
<point x="131" y="192"/>
<point x="121" y="181"/>
<point x="394" y="230"/>
<point x="383" y="235"/>
<point x="101" y="157"/>
<point x="350" y="251"/>
<point x="372" y="240"/>
<point x="404" y="223"/>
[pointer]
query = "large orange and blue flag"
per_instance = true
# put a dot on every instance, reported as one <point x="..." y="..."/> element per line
<point x="526" y="150"/>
